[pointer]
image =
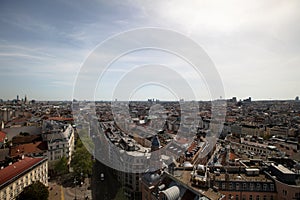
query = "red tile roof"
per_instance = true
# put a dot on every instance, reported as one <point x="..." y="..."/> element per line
<point x="26" y="139"/>
<point x="2" y="136"/>
<point x="192" y="146"/>
<point x="232" y="156"/>
<point x="37" y="147"/>
<point x="17" y="168"/>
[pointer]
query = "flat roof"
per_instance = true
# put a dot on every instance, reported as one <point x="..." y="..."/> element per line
<point x="283" y="169"/>
<point x="185" y="176"/>
<point x="243" y="178"/>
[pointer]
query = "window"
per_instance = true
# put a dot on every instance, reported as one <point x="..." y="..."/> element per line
<point x="250" y="197"/>
<point x="272" y="187"/>
<point x="236" y="197"/>
<point x="230" y="186"/>
<point x="284" y="192"/>
<point x="223" y="186"/>
<point x="258" y="186"/>
<point x="244" y="186"/>
<point x="237" y="186"/>
<point x="257" y="197"/>
<point x="251" y="186"/>
<point x="265" y="197"/>
<point x="265" y="187"/>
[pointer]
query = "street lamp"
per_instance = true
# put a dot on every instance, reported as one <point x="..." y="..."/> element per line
<point x="81" y="175"/>
<point x="75" y="181"/>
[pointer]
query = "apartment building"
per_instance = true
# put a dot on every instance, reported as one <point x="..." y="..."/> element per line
<point x="15" y="177"/>
<point x="60" y="140"/>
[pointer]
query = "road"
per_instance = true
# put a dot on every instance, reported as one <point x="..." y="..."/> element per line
<point x="57" y="191"/>
<point x="104" y="189"/>
<point x="78" y="192"/>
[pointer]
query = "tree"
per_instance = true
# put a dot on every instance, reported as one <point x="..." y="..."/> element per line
<point x="82" y="161"/>
<point x="35" y="191"/>
<point x="120" y="194"/>
<point x="61" y="166"/>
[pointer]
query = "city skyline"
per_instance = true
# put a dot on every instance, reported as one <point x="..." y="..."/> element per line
<point x="253" y="45"/>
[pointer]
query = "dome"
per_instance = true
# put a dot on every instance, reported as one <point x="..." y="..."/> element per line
<point x="297" y="166"/>
<point x="152" y="177"/>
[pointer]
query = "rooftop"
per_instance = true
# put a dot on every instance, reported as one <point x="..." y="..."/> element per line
<point x="283" y="169"/>
<point x="184" y="177"/>
<point x="17" y="168"/>
<point x="2" y="136"/>
<point x="60" y="119"/>
<point x="36" y="147"/>
<point x="243" y="178"/>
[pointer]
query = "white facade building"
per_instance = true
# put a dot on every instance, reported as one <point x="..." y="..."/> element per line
<point x="60" y="139"/>
<point x="15" y="177"/>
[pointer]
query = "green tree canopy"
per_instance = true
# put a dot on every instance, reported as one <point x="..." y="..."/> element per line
<point x="82" y="161"/>
<point x="61" y="166"/>
<point x="35" y="191"/>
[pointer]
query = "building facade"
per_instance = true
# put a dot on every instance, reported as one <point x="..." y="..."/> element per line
<point x="60" y="140"/>
<point x="15" y="177"/>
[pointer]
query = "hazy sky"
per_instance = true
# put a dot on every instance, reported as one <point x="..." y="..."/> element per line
<point x="255" y="45"/>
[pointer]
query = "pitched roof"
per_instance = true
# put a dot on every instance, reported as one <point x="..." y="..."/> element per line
<point x="60" y="119"/>
<point x="2" y="136"/>
<point x="29" y="148"/>
<point x="26" y="139"/>
<point x="20" y="167"/>
<point x="3" y="153"/>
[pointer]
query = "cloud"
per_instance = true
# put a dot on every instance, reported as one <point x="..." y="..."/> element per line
<point x="251" y="43"/>
<point x="254" y="44"/>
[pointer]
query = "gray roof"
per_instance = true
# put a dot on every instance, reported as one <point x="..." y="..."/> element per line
<point x="3" y="153"/>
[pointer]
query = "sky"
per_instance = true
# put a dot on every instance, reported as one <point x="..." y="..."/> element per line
<point x="254" y="46"/>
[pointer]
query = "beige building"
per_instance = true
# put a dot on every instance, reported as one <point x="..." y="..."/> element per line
<point x="60" y="140"/>
<point x="15" y="177"/>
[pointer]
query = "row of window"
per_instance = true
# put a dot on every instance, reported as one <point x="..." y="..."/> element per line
<point x="251" y="197"/>
<point x="57" y="147"/>
<point x="254" y="149"/>
<point x="248" y="186"/>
